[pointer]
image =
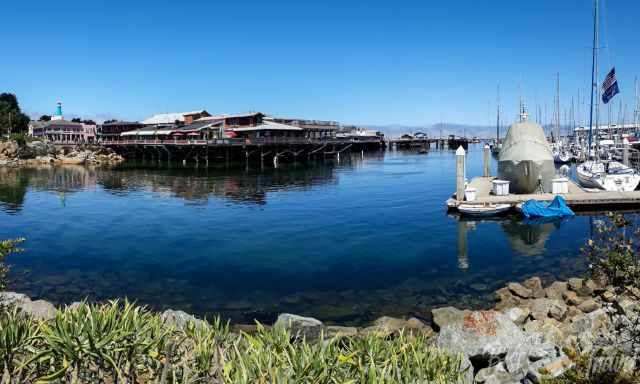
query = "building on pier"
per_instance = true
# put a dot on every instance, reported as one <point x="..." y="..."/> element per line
<point x="111" y="131"/>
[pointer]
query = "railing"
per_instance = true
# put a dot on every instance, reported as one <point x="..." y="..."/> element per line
<point x="254" y="141"/>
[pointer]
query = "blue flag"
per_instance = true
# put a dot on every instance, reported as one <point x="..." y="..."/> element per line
<point x="610" y="86"/>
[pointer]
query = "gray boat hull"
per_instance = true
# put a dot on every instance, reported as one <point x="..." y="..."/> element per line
<point x="525" y="175"/>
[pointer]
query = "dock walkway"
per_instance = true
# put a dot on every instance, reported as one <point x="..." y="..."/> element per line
<point x="576" y="198"/>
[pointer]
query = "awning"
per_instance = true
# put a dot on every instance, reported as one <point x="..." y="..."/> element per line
<point x="193" y="134"/>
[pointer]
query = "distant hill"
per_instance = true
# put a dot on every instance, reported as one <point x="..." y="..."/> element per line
<point x="435" y="130"/>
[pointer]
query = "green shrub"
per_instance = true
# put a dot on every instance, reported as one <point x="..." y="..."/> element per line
<point x="121" y="342"/>
<point x="7" y="247"/>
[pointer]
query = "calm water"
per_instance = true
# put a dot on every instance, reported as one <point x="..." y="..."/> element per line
<point x="342" y="242"/>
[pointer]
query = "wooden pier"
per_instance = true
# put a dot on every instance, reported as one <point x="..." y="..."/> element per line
<point x="273" y="149"/>
<point x="577" y="197"/>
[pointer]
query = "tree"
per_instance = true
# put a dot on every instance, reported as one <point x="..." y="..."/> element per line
<point x="89" y="122"/>
<point x="45" y="118"/>
<point x="76" y="120"/>
<point x="109" y="121"/>
<point x="11" y="117"/>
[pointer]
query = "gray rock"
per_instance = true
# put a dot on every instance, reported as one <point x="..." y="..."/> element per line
<point x="588" y="305"/>
<point x="485" y="373"/>
<point x="540" y="308"/>
<point x="446" y="315"/>
<point x="590" y="322"/>
<point x="548" y="368"/>
<point x="535" y="285"/>
<point x="299" y="326"/>
<point x="517" y="360"/>
<point x="557" y="310"/>
<point x="519" y="290"/>
<point x="542" y="351"/>
<point x="337" y="331"/>
<point x="517" y="315"/>
<point x="481" y="335"/>
<point x="556" y="289"/>
<point x="179" y="318"/>
<point x="39" y="309"/>
<point x="572" y="298"/>
<point x="575" y="284"/>
<point x="548" y="328"/>
<point x="503" y="378"/>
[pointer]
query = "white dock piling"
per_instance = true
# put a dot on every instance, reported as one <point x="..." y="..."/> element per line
<point x="625" y="151"/>
<point x="486" y="157"/>
<point x="460" y="173"/>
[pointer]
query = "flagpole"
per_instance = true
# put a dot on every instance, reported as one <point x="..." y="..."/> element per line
<point x="593" y="75"/>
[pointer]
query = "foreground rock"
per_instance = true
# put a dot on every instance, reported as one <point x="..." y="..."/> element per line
<point x="38" y="309"/>
<point x="38" y="152"/>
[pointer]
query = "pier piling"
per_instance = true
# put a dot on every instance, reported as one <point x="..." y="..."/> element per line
<point x="625" y="151"/>
<point x="460" y="173"/>
<point x="486" y="156"/>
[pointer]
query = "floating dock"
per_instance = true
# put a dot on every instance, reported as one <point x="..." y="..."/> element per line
<point x="577" y="198"/>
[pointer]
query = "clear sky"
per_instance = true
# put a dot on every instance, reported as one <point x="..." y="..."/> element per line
<point x="365" y="62"/>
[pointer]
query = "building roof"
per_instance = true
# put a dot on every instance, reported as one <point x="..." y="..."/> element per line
<point x="121" y="123"/>
<point x="42" y="124"/>
<point x="150" y="131"/>
<point x="268" y="125"/>
<point x="169" y="118"/>
<point x="221" y="117"/>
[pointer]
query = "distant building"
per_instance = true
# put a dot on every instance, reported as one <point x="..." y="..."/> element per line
<point x="171" y="119"/>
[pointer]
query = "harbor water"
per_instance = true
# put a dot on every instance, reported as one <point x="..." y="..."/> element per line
<point x="345" y="242"/>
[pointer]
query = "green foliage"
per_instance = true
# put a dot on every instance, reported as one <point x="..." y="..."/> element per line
<point x="11" y="117"/>
<point x="7" y="247"/>
<point x="121" y="342"/>
<point x="613" y="253"/>
<point x="45" y="118"/>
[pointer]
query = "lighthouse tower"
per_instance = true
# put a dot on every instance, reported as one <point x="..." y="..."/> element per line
<point x="58" y="115"/>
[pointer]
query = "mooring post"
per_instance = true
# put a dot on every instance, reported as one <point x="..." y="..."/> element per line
<point x="460" y="173"/>
<point x="275" y="161"/>
<point x="625" y="151"/>
<point x="486" y="160"/>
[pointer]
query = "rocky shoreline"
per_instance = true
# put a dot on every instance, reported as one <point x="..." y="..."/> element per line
<point x="37" y="152"/>
<point x="532" y="332"/>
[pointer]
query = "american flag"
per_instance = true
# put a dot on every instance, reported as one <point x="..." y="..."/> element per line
<point x="610" y="86"/>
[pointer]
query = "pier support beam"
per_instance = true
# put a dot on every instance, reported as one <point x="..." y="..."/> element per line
<point x="460" y="173"/>
<point x="486" y="156"/>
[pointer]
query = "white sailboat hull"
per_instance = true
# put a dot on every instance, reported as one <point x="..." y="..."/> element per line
<point x="594" y="175"/>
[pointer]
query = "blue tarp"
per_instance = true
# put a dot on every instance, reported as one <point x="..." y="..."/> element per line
<point x="556" y="208"/>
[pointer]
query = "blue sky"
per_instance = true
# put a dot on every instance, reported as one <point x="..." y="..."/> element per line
<point x="364" y="62"/>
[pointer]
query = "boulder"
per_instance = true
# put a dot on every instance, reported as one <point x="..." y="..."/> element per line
<point x="386" y="325"/>
<point x="540" y="307"/>
<point x="446" y="315"/>
<point x="299" y="326"/>
<point x="517" y="361"/>
<point x="609" y="296"/>
<point x="548" y="368"/>
<point x="550" y="329"/>
<point x="575" y="284"/>
<point x="179" y="318"/>
<point x="571" y="298"/>
<point x="557" y="310"/>
<point x="484" y="373"/>
<point x="556" y="289"/>
<point x="588" y="305"/>
<point x="535" y="285"/>
<point x="596" y="321"/>
<point x="519" y="290"/>
<point x="481" y="335"/>
<point x="517" y="314"/>
<point x="38" y="309"/>
<point x="338" y="331"/>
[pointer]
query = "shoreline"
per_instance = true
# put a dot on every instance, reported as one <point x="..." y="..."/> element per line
<point x="530" y="328"/>
<point x="36" y="153"/>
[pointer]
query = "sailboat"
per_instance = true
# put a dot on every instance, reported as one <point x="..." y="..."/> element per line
<point x="560" y="154"/>
<point x="608" y="175"/>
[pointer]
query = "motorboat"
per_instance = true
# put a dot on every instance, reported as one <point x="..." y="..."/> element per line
<point x="486" y="209"/>
<point x="525" y="159"/>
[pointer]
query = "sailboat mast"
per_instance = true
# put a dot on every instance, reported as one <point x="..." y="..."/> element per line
<point x="594" y="64"/>
<point x="557" y="107"/>
<point x="498" y="117"/>
<point x="636" y="113"/>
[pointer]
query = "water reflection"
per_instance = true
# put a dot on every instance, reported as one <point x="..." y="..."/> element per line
<point x="528" y="237"/>
<point x="195" y="185"/>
